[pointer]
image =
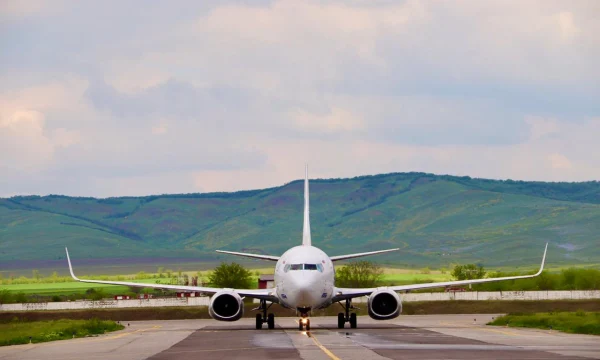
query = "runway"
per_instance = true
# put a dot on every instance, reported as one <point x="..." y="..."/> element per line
<point x="407" y="337"/>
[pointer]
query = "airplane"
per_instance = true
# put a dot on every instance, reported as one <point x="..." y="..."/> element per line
<point x="304" y="281"/>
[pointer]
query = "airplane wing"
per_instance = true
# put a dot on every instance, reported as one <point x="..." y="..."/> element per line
<point x="254" y="256"/>
<point x="267" y="294"/>
<point x="348" y="293"/>
<point x="352" y="256"/>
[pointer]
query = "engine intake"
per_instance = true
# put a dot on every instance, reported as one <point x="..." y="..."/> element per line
<point x="226" y="305"/>
<point x="384" y="304"/>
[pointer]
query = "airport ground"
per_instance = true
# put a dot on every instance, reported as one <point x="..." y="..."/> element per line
<point x="407" y="337"/>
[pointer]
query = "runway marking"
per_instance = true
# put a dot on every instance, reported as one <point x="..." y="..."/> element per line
<point x="323" y="348"/>
<point x="318" y="343"/>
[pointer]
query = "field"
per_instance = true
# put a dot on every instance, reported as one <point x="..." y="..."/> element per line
<point x="21" y="332"/>
<point x="579" y="322"/>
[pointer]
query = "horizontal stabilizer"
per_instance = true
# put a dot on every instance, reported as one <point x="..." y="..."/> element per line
<point x="254" y="256"/>
<point x="352" y="256"/>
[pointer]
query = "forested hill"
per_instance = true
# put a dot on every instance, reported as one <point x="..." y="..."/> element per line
<point x="433" y="219"/>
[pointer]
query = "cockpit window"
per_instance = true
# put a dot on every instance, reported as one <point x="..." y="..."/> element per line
<point x="317" y="267"/>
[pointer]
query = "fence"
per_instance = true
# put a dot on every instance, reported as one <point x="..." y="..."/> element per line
<point x="203" y="301"/>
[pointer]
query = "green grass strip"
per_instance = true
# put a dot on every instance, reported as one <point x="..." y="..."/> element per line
<point x="20" y="332"/>
<point x="579" y="322"/>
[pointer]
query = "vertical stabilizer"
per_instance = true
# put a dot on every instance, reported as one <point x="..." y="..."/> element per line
<point x="306" y="230"/>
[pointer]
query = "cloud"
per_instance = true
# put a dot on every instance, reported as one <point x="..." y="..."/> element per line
<point x="336" y="121"/>
<point x="558" y="161"/>
<point x="137" y="97"/>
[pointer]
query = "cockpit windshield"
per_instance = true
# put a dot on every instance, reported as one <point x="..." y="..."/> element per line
<point x="317" y="267"/>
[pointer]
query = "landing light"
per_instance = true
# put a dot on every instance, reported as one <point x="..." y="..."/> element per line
<point x="304" y="321"/>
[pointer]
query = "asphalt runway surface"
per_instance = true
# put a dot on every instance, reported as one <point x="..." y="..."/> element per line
<point x="407" y="337"/>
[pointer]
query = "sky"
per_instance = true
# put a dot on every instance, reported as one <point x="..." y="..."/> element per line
<point x="123" y="98"/>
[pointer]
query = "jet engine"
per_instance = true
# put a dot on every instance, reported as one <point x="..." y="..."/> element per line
<point x="226" y="305"/>
<point x="384" y="304"/>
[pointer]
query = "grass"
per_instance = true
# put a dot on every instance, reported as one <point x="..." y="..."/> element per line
<point x="579" y="322"/>
<point x="20" y="332"/>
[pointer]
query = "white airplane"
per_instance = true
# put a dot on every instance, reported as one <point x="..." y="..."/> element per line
<point x="304" y="281"/>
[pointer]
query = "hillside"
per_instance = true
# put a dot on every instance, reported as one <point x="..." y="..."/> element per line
<point x="436" y="220"/>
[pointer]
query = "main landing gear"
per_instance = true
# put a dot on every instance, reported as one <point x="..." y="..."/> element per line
<point x="345" y="317"/>
<point x="264" y="318"/>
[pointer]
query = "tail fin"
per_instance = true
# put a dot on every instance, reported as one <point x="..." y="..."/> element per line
<point x="306" y="230"/>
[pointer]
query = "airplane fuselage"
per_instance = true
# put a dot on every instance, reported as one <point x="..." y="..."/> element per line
<point x="304" y="278"/>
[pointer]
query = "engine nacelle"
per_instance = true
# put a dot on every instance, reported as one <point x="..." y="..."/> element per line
<point x="226" y="305"/>
<point x="384" y="304"/>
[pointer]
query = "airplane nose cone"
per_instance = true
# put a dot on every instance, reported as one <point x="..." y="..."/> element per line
<point x="306" y="291"/>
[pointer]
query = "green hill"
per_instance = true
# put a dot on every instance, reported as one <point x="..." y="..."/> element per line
<point x="435" y="220"/>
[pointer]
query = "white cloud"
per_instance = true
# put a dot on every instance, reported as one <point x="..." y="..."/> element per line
<point x="541" y="127"/>
<point x="337" y="120"/>
<point x="64" y="138"/>
<point x="159" y="129"/>
<point x="558" y="161"/>
<point x="568" y="29"/>
<point x="23" y="144"/>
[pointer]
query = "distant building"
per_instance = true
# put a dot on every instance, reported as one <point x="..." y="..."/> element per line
<point x="266" y="281"/>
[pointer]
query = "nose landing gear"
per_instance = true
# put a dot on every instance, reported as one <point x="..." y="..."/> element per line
<point x="346" y="316"/>
<point x="304" y="323"/>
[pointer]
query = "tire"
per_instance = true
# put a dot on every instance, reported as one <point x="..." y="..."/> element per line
<point x="271" y="321"/>
<point x="341" y="320"/>
<point x="300" y="327"/>
<point x="353" y="320"/>
<point x="259" y="321"/>
<point x="307" y="324"/>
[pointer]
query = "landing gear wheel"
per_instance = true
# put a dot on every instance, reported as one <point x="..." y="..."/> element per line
<point x="271" y="321"/>
<point x="259" y="321"/>
<point x="353" y="320"/>
<point x="341" y="320"/>
<point x="307" y="325"/>
<point x="300" y="325"/>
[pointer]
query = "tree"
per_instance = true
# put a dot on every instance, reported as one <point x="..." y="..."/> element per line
<point x="468" y="272"/>
<point x="359" y="274"/>
<point x="231" y="275"/>
<point x="95" y="294"/>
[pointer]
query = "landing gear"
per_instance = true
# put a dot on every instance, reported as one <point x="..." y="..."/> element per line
<point x="259" y="321"/>
<point x="264" y="318"/>
<point x="271" y="321"/>
<point x="353" y="320"/>
<point x="346" y="316"/>
<point x="304" y="323"/>
<point x="341" y="320"/>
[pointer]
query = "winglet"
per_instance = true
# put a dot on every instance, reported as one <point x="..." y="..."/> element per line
<point x="71" y="266"/>
<point x="543" y="261"/>
<point x="306" y="241"/>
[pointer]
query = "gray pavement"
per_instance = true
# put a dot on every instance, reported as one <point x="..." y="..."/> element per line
<point x="407" y="337"/>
